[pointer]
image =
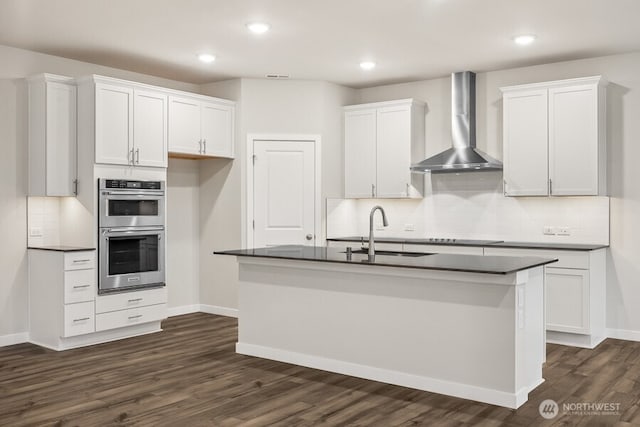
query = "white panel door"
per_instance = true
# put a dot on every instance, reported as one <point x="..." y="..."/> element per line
<point x="284" y="193"/>
<point x="60" y="139"/>
<point x="573" y="140"/>
<point x="567" y="300"/>
<point x="114" y="124"/>
<point x="525" y="140"/>
<point x="360" y="153"/>
<point x="393" y="151"/>
<point x="150" y="128"/>
<point x="217" y="129"/>
<point x="184" y="126"/>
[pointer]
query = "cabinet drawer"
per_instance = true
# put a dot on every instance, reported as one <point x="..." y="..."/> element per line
<point x="79" y="319"/>
<point x="132" y="316"/>
<point x="79" y="260"/>
<point x="566" y="259"/>
<point x="444" y="249"/>
<point x="79" y="286"/>
<point x="107" y="303"/>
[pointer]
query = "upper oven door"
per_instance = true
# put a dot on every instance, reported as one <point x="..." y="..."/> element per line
<point x="124" y="208"/>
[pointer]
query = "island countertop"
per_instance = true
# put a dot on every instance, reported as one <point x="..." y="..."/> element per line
<point x="443" y="262"/>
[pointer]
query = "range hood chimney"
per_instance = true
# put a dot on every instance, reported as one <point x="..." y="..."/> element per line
<point x="463" y="156"/>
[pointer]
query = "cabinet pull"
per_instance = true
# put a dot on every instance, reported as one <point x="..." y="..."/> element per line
<point x="82" y="319"/>
<point x="81" y="286"/>
<point x="550" y="186"/>
<point x="373" y="190"/>
<point x="407" y="189"/>
<point x="135" y="300"/>
<point x="137" y="316"/>
<point x="204" y="143"/>
<point x="75" y="187"/>
<point x="200" y="146"/>
<point x="504" y="187"/>
<point x="131" y="158"/>
<point x="137" y="156"/>
<point x="80" y="260"/>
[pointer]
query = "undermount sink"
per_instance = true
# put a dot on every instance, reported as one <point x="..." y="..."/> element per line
<point x="390" y="253"/>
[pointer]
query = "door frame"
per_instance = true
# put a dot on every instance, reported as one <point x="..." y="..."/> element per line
<point x="252" y="138"/>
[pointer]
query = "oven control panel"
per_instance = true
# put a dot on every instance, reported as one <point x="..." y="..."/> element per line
<point x="132" y="185"/>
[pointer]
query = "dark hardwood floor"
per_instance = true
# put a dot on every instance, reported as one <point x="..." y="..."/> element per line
<point x="189" y="375"/>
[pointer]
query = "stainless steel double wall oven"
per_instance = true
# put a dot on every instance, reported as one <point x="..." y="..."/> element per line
<point x="131" y="235"/>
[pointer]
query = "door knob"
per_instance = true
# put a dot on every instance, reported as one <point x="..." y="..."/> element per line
<point x="309" y="236"/>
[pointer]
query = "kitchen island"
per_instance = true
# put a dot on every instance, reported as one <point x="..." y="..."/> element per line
<point x="462" y="325"/>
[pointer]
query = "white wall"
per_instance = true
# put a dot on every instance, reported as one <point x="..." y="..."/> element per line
<point x="623" y="135"/>
<point x="16" y="64"/>
<point x="265" y="106"/>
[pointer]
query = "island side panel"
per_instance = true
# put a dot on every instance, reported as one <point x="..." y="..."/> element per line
<point x="425" y="331"/>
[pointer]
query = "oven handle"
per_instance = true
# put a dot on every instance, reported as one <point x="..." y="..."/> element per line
<point x="106" y="231"/>
<point x="132" y="194"/>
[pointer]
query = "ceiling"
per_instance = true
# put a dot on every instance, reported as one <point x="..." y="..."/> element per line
<point x="319" y="39"/>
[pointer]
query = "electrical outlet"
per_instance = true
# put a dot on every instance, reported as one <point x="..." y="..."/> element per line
<point x="564" y="231"/>
<point x="548" y="230"/>
<point x="35" y="232"/>
<point x="409" y="227"/>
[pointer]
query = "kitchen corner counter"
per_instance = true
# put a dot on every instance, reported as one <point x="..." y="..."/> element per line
<point x="61" y="248"/>
<point x="482" y="243"/>
<point x="443" y="262"/>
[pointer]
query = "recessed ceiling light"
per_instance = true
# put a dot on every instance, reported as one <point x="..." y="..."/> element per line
<point x="258" y="27"/>
<point x="524" y="39"/>
<point x="207" y="58"/>
<point x="368" y="65"/>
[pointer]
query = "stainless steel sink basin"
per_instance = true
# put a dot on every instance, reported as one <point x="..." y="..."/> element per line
<point x="390" y="253"/>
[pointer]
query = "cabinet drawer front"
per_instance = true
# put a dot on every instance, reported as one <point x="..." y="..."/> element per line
<point x="132" y="316"/>
<point x="108" y="303"/>
<point x="444" y="249"/>
<point x="79" y="319"/>
<point x="79" y="286"/>
<point x="566" y="259"/>
<point x="79" y="260"/>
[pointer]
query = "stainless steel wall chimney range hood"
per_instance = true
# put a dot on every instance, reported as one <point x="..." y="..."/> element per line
<point x="463" y="156"/>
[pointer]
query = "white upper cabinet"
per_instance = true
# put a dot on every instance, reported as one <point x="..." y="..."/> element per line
<point x="554" y="140"/>
<point x="127" y="121"/>
<point x="52" y="136"/>
<point x="381" y="141"/>
<point x="201" y="127"/>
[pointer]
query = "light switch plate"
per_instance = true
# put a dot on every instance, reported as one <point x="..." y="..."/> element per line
<point x="548" y="230"/>
<point x="409" y="227"/>
<point x="563" y="231"/>
<point x="35" y="232"/>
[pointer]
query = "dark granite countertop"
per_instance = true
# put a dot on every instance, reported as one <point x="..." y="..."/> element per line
<point x="478" y="243"/>
<point x="61" y="248"/>
<point x="446" y="262"/>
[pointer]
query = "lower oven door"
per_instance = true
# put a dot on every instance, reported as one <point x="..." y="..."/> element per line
<point x="131" y="258"/>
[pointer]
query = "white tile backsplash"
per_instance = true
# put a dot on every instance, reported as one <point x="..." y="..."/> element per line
<point x="43" y="214"/>
<point x="472" y="206"/>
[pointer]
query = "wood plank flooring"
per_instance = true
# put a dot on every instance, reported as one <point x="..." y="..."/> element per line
<point x="189" y="375"/>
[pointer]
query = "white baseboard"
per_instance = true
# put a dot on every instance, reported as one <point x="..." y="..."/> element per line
<point x="12" y="339"/>
<point x="624" y="334"/>
<point x="216" y="309"/>
<point x="574" y="340"/>
<point x="465" y="391"/>
<point x="183" y="309"/>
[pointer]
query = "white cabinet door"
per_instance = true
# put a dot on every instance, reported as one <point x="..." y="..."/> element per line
<point x="217" y="129"/>
<point x="114" y="124"/>
<point x="61" y="139"/>
<point x="393" y="151"/>
<point x="360" y="153"/>
<point x="150" y="128"/>
<point x="573" y="140"/>
<point x="525" y="143"/>
<point x="184" y="126"/>
<point x="567" y="300"/>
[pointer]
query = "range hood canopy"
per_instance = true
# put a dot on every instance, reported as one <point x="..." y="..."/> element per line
<point x="463" y="156"/>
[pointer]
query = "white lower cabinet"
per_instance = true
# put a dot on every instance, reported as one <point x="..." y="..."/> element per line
<point x="575" y="293"/>
<point x="130" y="308"/>
<point x="79" y="319"/>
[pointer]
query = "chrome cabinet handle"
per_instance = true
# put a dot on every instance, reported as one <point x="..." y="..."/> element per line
<point x="137" y="156"/>
<point x="82" y="319"/>
<point x="373" y="190"/>
<point x="137" y="316"/>
<point x="407" y="189"/>
<point x="131" y="157"/>
<point x="81" y="286"/>
<point x="550" y="187"/>
<point x="135" y="300"/>
<point x="81" y="260"/>
<point x="200" y="145"/>
<point x="309" y="236"/>
<point x="204" y="143"/>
